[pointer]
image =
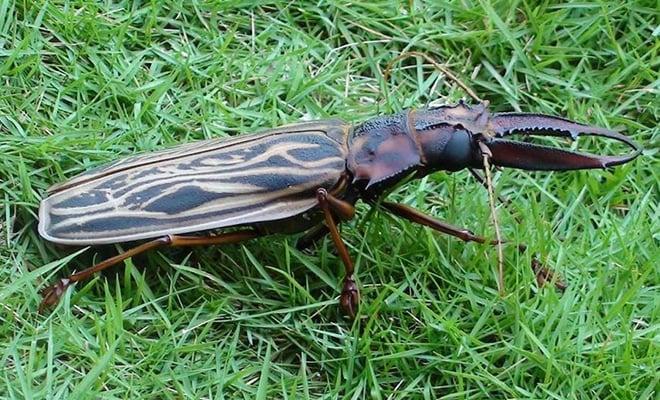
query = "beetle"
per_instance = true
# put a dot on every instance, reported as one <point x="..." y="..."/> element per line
<point x="303" y="177"/>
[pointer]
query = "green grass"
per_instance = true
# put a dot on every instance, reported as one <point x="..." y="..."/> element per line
<point x="84" y="83"/>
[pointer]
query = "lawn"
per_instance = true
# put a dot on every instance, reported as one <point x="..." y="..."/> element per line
<point x="85" y="83"/>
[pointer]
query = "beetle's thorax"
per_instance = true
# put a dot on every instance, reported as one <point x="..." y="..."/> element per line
<point x="381" y="150"/>
<point x="389" y="148"/>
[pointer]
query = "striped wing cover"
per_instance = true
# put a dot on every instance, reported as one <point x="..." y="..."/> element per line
<point x="198" y="186"/>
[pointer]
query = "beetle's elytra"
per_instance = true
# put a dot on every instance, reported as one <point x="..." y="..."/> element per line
<point x="241" y="180"/>
<point x="300" y="177"/>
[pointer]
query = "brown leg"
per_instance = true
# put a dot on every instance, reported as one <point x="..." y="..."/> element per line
<point x="342" y="209"/>
<point x="350" y="294"/>
<point x="414" y="215"/>
<point x="543" y="274"/>
<point x="312" y="236"/>
<point x="51" y="295"/>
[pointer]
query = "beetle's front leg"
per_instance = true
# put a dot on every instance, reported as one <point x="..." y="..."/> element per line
<point x="419" y="217"/>
<point x="350" y="294"/>
<point x="543" y="274"/>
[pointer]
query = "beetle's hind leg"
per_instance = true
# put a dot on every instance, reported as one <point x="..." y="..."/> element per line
<point x="51" y="295"/>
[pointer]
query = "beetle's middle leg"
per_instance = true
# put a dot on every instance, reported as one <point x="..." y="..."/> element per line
<point x="312" y="236"/>
<point x="350" y="294"/>
<point x="51" y="295"/>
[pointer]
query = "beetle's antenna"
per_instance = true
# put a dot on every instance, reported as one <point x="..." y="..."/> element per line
<point x="491" y="200"/>
<point x="444" y="70"/>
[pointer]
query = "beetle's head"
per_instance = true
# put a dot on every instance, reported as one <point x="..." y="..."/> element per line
<point x="456" y="137"/>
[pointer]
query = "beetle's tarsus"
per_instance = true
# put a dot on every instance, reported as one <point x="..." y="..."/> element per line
<point x="545" y="275"/>
<point x="51" y="295"/>
<point x="350" y="297"/>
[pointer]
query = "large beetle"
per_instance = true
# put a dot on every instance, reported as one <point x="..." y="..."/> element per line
<point x="300" y="177"/>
